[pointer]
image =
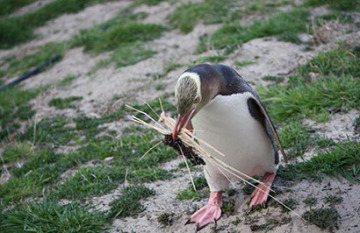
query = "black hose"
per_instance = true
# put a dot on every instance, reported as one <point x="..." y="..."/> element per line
<point x="32" y="72"/>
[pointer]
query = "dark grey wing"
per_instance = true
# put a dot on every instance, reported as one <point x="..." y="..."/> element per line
<point x="258" y="111"/>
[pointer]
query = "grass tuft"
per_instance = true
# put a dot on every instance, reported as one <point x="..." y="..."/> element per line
<point x="54" y="131"/>
<point x="22" y="65"/>
<point x="14" y="109"/>
<point x="334" y="62"/>
<point x="60" y="103"/>
<point x="190" y="194"/>
<point x="19" y="29"/>
<point x="293" y="101"/>
<point x="310" y="201"/>
<point x="90" y="182"/>
<point x="343" y="159"/>
<point x="124" y="36"/>
<point x="300" y="138"/>
<point x="244" y="63"/>
<point x="116" y="36"/>
<point x="50" y="216"/>
<point x="9" y="6"/>
<point x="285" y="26"/>
<point x="274" y="79"/>
<point x="149" y="2"/>
<point x="15" y="152"/>
<point x="333" y="199"/>
<point x="187" y="15"/>
<point x="210" y="59"/>
<point x="325" y="218"/>
<point x="166" y="219"/>
<point x="67" y="80"/>
<point x="128" y="203"/>
<point x="342" y="5"/>
<point x="31" y="177"/>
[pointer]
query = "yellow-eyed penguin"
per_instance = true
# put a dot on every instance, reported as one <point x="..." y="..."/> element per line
<point x="227" y="114"/>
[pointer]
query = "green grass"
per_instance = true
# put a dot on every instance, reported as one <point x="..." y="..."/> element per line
<point x="19" y="29"/>
<point x="298" y="139"/>
<point x="356" y="125"/>
<point x="149" y="175"/>
<point x="285" y="26"/>
<point x="166" y="219"/>
<point x="32" y="176"/>
<point x="274" y="79"/>
<point x="332" y="16"/>
<point x="117" y="35"/>
<point x="333" y="199"/>
<point x="291" y="203"/>
<point x="89" y="182"/>
<point x="124" y="37"/>
<point x="149" y="2"/>
<point x="342" y="5"/>
<point x="128" y="202"/>
<point x="190" y="194"/>
<point x="67" y="80"/>
<point x="325" y="218"/>
<point x="244" y="63"/>
<point x="125" y="55"/>
<point x="167" y="69"/>
<point x="14" y="109"/>
<point x="160" y="86"/>
<point x="284" y="102"/>
<point x="187" y="15"/>
<point x="40" y="159"/>
<point x="60" y="103"/>
<point x="50" y="216"/>
<point x="44" y="167"/>
<point x="228" y="207"/>
<point x="334" y="62"/>
<point x="343" y="160"/>
<point x="9" y="6"/>
<point x="336" y="86"/>
<point x="269" y="225"/>
<point x="209" y="59"/>
<point x="16" y="152"/>
<point x="152" y="108"/>
<point x="81" y="131"/>
<point x="22" y="65"/>
<point x="310" y="201"/>
<point x="52" y="131"/>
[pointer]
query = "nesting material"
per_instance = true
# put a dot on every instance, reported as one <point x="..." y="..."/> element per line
<point x="185" y="142"/>
<point x="166" y="124"/>
<point x="187" y="151"/>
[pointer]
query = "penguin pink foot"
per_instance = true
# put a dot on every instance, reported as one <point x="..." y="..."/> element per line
<point x="261" y="193"/>
<point x="209" y="213"/>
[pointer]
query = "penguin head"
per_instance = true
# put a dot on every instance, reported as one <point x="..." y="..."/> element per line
<point x="191" y="96"/>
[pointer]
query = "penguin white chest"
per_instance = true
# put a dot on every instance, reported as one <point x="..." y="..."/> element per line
<point x="227" y="125"/>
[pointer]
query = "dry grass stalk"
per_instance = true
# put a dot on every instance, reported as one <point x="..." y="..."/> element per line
<point x="187" y="137"/>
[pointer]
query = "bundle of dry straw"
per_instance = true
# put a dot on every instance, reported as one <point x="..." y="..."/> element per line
<point x="166" y="124"/>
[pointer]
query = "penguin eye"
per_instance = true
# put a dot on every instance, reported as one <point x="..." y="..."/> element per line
<point x="197" y="99"/>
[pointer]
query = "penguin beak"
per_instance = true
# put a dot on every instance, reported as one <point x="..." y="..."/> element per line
<point x="182" y="122"/>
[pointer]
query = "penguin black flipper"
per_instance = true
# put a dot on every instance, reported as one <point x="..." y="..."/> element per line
<point x="254" y="103"/>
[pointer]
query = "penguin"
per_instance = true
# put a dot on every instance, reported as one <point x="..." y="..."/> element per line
<point x="226" y="113"/>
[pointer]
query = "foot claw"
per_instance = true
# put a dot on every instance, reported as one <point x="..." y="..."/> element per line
<point x="261" y="193"/>
<point x="209" y="213"/>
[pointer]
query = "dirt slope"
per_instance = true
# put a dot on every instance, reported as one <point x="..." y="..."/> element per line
<point x="132" y="83"/>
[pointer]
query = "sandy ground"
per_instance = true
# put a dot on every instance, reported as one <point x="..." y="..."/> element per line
<point x="271" y="57"/>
